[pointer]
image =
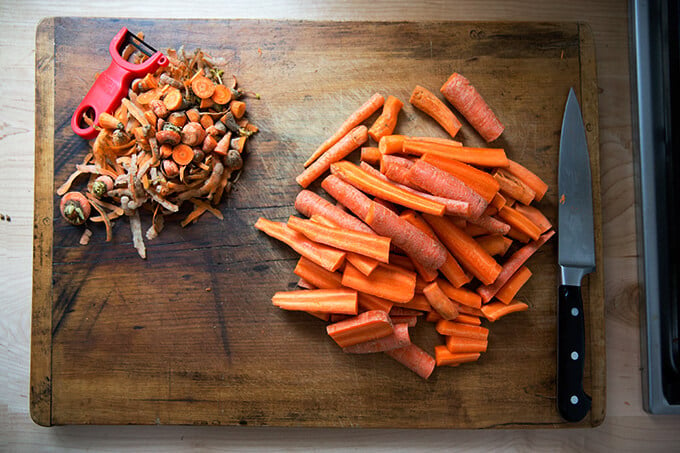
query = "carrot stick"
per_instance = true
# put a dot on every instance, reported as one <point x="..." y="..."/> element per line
<point x="386" y="281"/>
<point x="342" y="301"/>
<point x="354" y="138"/>
<point x="498" y="201"/>
<point x="425" y="100"/>
<point x="391" y="144"/>
<point x="387" y="120"/>
<point x="483" y="157"/>
<point x="370" y="154"/>
<point x="416" y="244"/>
<point x="468" y="319"/>
<point x="439" y="301"/>
<point x="519" y="221"/>
<point x="467" y="100"/>
<point x="494" y="244"/>
<point x="490" y="224"/>
<point x="309" y="203"/>
<point x="473" y="230"/>
<point x="367" y="244"/>
<point x="461" y="295"/>
<point x="465" y="249"/>
<point x="369" y="302"/>
<point x="415" y="359"/>
<point x="419" y="302"/>
<point x="317" y="275"/>
<point x="346" y="194"/>
<point x="536" y="216"/>
<point x="511" y="266"/>
<point x="457" y="344"/>
<point x="513" y="186"/>
<point x="327" y="257"/>
<point x="479" y="181"/>
<point x="398" y="339"/>
<point x="443" y="184"/>
<point x="519" y="236"/>
<point x="445" y="357"/>
<point x="529" y="178"/>
<point x="508" y="292"/>
<point x="359" y="116"/>
<point x="375" y="186"/>
<point x="396" y="168"/>
<point x="496" y="310"/>
<point x="445" y="327"/>
<point x="367" y="326"/>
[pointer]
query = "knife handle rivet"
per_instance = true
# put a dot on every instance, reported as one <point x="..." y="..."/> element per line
<point x="574" y="311"/>
<point x="573" y="399"/>
<point x="574" y="355"/>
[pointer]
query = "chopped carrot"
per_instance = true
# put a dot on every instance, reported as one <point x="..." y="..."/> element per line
<point x="498" y="201"/>
<point x="457" y="344"/>
<point x="327" y="257"/>
<point x="370" y="154"/>
<point x="399" y="338"/>
<point x="387" y="121"/>
<point x="182" y="154"/>
<point x="202" y="87"/>
<point x="432" y="316"/>
<point x="391" y="144"/>
<point x="348" y="143"/>
<point x="511" y="266"/>
<point x="173" y="99"/>
<point x="513" y="186"/>
<point x="483" y="157"/>
<point x="371" y="302"/>
<point x="386" y="281"/>
<point x="445" y="357"/>
<point x="423" y="99"/>
<point x="536" y="216"/>
<point x="341" y="300"/>
<point x="373" y="185"/>
<point x="519" y="221"/>
<point x="415" y="359"/>
<point x="439" y="301"/>
<point x="309" y="203"/>
<point x="479" y="181"/>
<point x="461" y="295"/>
<point x="490" y="224"/>
<point x="402" y="261"/>
<point x="465" y="249"/>
<point x="347" y="195"/>
<point x="367" y="326"/>
<point x="317" y="275"/>
<point x="496" y="310"/>
<point x="473" y="230"/>
<point x="468" y="319"/>
<point x="238" y="108"/>
<point x="371" y="245"/>
<point x="529" y="178"/>
<point x="466" y="99"/>
<point x="519" y="236"/>
<point x="445" y="327"/>
<point x="494" y="244"/>
<point x="359" y="116"/>
<point x="508" y="292"/>
<point x="222" y="95"/>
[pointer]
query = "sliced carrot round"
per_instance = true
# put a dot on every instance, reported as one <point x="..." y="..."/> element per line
<point x="222" y="95"/>
<point x="203" y="87"/>
<point x="182" y="154"/>
<point x="173" y="99"/>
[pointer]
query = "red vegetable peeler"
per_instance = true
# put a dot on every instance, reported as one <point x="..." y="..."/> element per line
<point x="113" y="84"/>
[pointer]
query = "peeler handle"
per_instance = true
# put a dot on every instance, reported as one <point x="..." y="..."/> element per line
<point x="112" y="85"/>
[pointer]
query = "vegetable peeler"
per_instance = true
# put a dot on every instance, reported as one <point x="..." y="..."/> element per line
<point x="112" y="85"/>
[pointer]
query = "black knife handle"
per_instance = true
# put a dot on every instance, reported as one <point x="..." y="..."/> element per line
<point x="572" y="402"/>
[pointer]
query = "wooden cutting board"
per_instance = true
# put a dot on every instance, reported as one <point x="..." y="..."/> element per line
<point x="189" y="336"/>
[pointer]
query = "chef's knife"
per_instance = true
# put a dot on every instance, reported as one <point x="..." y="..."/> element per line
<point x="576" y="257"/>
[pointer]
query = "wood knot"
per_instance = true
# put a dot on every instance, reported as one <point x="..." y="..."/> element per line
<point x="477" y="34"/>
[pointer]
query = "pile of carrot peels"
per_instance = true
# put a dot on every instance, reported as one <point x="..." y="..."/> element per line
<point x="178" y="137"/>
<point x="423" y="228"/>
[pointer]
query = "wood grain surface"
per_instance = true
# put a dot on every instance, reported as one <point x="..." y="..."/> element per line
<point x="626" y="427"/>
<point x="189" y="336"/>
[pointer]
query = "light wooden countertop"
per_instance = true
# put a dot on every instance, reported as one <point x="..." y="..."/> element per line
<point x="626" y="427"/>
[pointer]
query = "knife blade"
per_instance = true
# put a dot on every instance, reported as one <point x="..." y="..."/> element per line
<point x="576" y="258"/>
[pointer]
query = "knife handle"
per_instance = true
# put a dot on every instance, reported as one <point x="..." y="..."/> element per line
<point x="572" y="402"/>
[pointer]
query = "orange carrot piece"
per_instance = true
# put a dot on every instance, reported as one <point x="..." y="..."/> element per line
<point x="370" y="154"/>
<point x="519" y="221"/>
<point x="461" y="295"/>
<point x="445" y="327"/>
<point x="409" y="321"/>
<point x="375" y="186"/>
<point x="387" y="121"/>
<point x="496" y="310"/>
<point x="302" y="283"/>
<point x="457" y="344"/>
<point x="370" y="302"/>
<point x="386" y="281"/>
<point x="465" y="249"/>
<point x="327" y="257"/>
<point x="468" y="319"/>
<point x="317" y="275"/>
<point x="402" y="261"/>
<point x="426" y="273"/>
<point x="498" y="201"/>
<point x="483" y="157"/>
<point x="359" y="116"/>
<point x="479" y="181"/>
<point x="439" y="182"/>
<point x="351" y="141"/>
<point x="398" y="339"/>
<point x="513" y="186"/>
<point x="536" y="216"/>
<point x="415" y="359"/>
<point x="423" y="99"/>
<point x="529" y="178"/>
<point x="494" y="244"/>
<point x="445" y="357"/>
<point x="348" y="195"/>
<point x="432" y="316"/>
<point x="466" y="99"/>
<point x="511" y="266"/>
<point x="367" y="326"/>
<point x="519" y="236"/>
<point x="508" y="292"/>
<point x="490" y="224"/>
<point x="309" y="203"/>
<point x="341" y="301"/>
<point x="400" y="310"/>
<point x="473" y="230"/>
<point x="367" y="244"/>
<point x="391" y="144"/>
<point x="439" y="301"/>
